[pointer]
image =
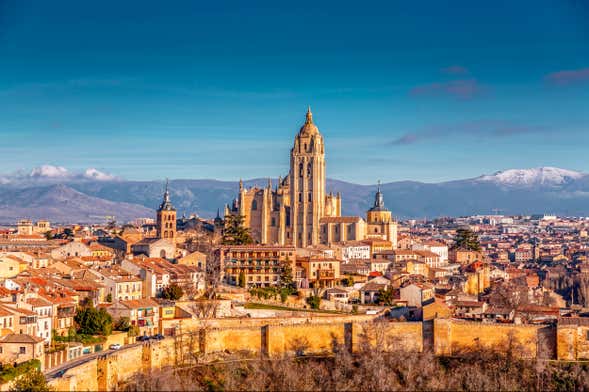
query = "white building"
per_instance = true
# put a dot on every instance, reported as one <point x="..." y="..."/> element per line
<point x="356" y="250"/>
<point x="436" y="247"/>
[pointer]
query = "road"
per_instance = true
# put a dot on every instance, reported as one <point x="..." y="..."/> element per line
<point x="61" y="369"/>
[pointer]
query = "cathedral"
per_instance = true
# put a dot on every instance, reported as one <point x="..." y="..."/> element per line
<point x="298" y="211"/>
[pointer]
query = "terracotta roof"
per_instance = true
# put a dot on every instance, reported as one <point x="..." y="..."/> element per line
<point x="21" y="338"/>
<point x="340" y="219"/>
<point x="139" y="303"/>
<point x="38" y="302"/>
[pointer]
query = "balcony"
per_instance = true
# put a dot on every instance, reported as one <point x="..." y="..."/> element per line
<point x="325" y="274"/>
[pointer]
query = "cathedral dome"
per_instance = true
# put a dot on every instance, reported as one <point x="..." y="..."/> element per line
<point x="309" y="128"/>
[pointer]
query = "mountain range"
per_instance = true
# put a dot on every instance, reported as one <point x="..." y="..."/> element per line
<point x="62" y="196"/>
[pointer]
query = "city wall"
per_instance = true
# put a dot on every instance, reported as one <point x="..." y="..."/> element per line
<point x="572" y="340"/>
<point x="254" y="337"/>
<point x="452" y="337"/>
<point x="322" y="335"/>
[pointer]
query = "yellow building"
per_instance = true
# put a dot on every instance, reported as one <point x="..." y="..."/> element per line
<point x="317" y="271"/>
<point x="100" y="250"/>
<point x="298" y="211"/>
<point x="260" y="265"/>
<point x="11" y="266"/>
<point x="415" y="267"/>
<point x="196" y="259"/>
<point x="464" y="256"/>
<point x="477" y="278"/>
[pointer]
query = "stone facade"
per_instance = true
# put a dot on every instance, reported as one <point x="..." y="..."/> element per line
<point x="298" y="211"/>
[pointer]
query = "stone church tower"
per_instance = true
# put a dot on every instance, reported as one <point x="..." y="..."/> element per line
<point x="379" y="221"/>
<point x="166" y="218"/>
<point x="307" y="184"/>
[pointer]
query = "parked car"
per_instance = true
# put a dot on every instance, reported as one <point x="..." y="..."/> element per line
<point x="115" y="346"/>
<point x="158" y="336"/>
<point x="142" y="338"/>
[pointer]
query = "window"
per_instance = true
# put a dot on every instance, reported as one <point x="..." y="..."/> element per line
<point x="310" y="198"/>
<point x="309" y="169"/>
<point x="22" y="350"/>
<point x="254" y="205"/>
<point x="273" y="222"/>
<point x="300" y="197"/>
<point x="300" y="169"/>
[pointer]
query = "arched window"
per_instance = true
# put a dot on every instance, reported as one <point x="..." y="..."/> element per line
<point x="301" y="168"/>
<point x="163" y="253"/>
<point x="309" y="169"/>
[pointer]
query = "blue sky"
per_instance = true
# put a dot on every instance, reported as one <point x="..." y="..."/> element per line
<point x="423" y="90"/>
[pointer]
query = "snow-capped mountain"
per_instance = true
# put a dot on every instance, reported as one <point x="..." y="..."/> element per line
<point x="60" y="195"/>
<point x="548" y="176"/>
<point x="54" y="174"/>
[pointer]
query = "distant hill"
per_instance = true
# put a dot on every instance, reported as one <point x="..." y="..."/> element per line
<point x="61" y="203"/>
<point x="58" y="195"/>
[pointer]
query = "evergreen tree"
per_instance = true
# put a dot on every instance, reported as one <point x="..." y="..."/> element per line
<point x="241" y="279"/>
<point x="466" y="239"/>
<point x="314" y="301"/>
<point x="172" y="292"/>
<point x="235" y="233"/>
<point x="386" y="297"/>
<point x="91" y="321"/>
<point x="31" y="381"/>
<point x="286" y="279"/>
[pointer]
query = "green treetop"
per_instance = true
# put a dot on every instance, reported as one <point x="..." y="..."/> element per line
<point x="466" y="239"/>
<point x="235" y="233"/>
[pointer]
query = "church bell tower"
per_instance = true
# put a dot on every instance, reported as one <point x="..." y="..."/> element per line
<point x="166" y="218"/>
<point x="307" y="184"/>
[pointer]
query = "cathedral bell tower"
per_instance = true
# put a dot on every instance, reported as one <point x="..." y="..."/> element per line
<point x="307" y="184"/>
<point x="166" y="218"/>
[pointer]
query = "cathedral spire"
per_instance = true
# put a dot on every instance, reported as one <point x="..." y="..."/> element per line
<point x="166" y="203"/>
<point x="167" y="192"/>
<point x="378" y="200"/>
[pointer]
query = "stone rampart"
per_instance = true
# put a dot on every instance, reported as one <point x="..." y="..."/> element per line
<point x="317" y="336"/>
<point x="451" y="337"/>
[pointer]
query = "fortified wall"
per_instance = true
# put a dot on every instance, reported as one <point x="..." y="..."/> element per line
<point x="321" y="337"/>
<point x="452" y="337"/>
<point x="572" y="339"/>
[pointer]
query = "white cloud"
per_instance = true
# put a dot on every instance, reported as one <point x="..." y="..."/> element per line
<point x="94" y="174"/>
<point x="50" y="171"/>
